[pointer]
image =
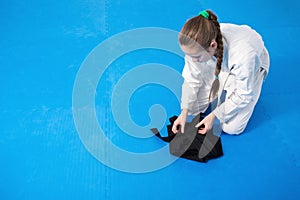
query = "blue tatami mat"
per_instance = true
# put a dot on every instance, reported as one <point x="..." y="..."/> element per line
<point x="49" y="151"/>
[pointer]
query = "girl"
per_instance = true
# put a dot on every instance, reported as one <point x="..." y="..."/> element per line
<point x="225" y="62"/>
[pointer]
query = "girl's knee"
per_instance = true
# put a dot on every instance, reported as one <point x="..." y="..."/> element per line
<point x="233" y="130"/>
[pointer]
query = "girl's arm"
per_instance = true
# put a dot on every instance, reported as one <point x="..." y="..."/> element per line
<point x="188" y="99"/>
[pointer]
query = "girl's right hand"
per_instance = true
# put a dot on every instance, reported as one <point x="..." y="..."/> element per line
<point x="180" y="121"/>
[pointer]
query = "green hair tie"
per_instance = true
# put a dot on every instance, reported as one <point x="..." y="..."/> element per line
<point x="204" y="14"/>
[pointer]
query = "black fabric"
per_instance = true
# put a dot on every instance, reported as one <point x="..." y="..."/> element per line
<point x="190" y="144"/>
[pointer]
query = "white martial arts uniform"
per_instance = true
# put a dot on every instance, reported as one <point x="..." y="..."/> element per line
<point x="245" y="65"/>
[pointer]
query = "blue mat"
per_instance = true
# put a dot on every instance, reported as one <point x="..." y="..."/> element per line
<point x="43" y="155"/>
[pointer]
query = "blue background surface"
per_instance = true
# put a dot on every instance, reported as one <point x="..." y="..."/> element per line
<point x="43" y="44"/>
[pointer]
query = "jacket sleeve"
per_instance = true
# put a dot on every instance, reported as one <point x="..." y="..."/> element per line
<point x="190" y="86"/>
<point x="243" y="73"/>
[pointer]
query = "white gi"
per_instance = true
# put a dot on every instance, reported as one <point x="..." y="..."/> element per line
<point x="245" y="65"/>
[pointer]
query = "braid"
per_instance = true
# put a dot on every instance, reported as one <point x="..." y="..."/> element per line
<point x="219" y="54"/>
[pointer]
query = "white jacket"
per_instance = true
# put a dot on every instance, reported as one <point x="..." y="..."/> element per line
<point x="244" y="55"/>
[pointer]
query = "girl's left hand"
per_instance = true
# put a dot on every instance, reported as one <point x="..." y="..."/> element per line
<point x="208" y="122"/>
